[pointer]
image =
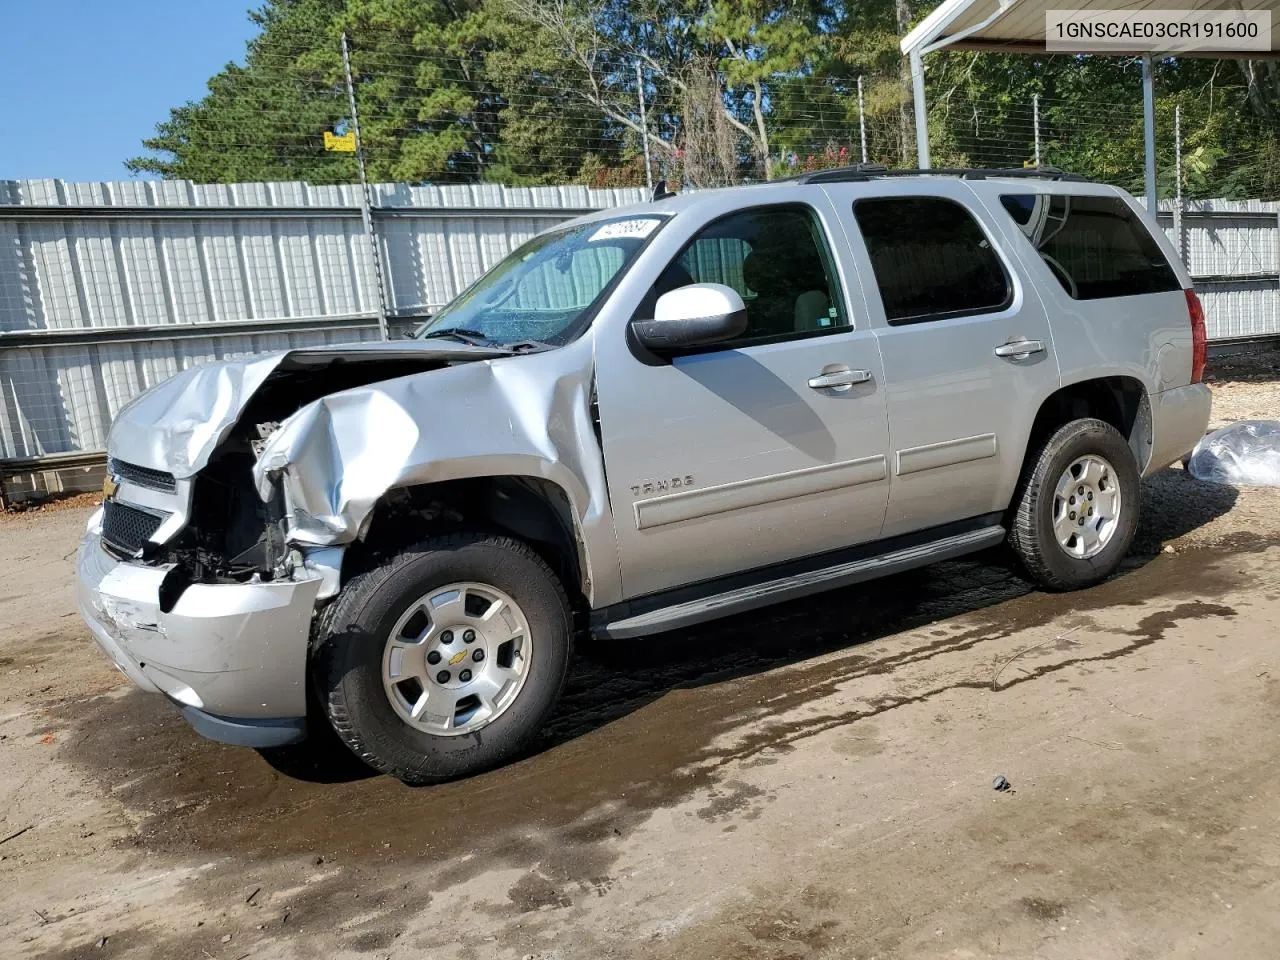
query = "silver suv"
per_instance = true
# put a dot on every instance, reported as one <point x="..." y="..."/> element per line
<point x="638" y="421"/>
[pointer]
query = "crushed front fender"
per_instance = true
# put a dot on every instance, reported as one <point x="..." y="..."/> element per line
<point x="526" y="415"/>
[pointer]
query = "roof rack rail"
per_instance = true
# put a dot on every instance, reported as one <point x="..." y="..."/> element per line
<point x="868" y="171"/>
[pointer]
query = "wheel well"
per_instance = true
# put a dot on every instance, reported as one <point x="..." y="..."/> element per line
<point x="531" y="509"/>
<point x="1119" y="401"/>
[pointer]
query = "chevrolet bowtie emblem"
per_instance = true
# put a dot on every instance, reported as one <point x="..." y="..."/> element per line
<point x="109" y="487"/>
<point x="457" y="657"/>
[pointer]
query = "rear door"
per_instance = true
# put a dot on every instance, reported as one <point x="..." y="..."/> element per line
<point x="967" y="348"/>
<point x="1109" y="281"/>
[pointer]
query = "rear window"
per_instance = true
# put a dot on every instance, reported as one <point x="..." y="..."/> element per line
<point x="1096" y="246"/>
<point x="931" y="259"/>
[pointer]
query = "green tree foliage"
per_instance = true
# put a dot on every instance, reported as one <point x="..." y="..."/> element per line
<point x="706" y="67"/>
<point x="265" y="120"/>
<point x="545" y="91"/>
<point x="446" y="91"/>
<point x="1091" y="120"/>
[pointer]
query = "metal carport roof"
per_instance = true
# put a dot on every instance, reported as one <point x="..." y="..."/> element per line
<point x="1018" y="26"/>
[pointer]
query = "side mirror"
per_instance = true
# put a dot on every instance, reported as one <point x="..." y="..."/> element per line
<point x="692" y="316"/>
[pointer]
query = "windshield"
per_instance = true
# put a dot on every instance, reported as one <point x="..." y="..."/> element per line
<point x="547" y="290"/>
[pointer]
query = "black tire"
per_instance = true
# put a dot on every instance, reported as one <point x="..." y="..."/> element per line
<point x="347" y="661"/>
<point x="1031" y="533"/>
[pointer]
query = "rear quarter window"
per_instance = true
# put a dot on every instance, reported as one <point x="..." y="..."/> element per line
<point x="1096" y="247"/>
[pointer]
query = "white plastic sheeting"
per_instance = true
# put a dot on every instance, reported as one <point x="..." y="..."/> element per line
<point x="1245" y="454"/>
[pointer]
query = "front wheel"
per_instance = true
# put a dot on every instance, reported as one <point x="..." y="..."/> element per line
<point x="1076" y="510"/>
<point x="445" y="661"/>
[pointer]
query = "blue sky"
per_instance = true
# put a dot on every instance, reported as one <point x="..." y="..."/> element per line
<point x="83" y="81"/>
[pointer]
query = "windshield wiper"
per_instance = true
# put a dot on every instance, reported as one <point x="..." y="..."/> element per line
<point x="475" y="338"/>
<point x="472" y="338"/>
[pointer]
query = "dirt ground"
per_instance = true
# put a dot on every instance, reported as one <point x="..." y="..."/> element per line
<point x="1244" y="387"/>
<point x="810" y="781"/>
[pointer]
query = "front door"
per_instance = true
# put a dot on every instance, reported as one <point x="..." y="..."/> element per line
<point x="967" y="349"/>
<point x="741" y="455"/>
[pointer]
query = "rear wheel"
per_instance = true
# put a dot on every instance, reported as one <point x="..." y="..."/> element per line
<point x="446" y="660"/>
<point x="1077" y="506"/>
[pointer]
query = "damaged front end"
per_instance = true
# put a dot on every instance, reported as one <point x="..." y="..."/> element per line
<point x="217" y="525"/>
<point x="194" y="584"/>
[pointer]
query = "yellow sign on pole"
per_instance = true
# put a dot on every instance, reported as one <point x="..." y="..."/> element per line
<point x="346" y="143"/>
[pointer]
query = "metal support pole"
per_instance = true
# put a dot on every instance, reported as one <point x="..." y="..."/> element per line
<point x="366" y="201"/>
<point x="1035" y="120"/>
<point x="1177" y="183"/>
<point x="1149" y="131"/>
<point x="862" y="121"/>
<point x="922" y="116"/>
<point x="644" y="129"/>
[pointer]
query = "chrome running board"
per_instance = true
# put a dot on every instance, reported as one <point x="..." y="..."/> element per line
<point x="801" y="584"/>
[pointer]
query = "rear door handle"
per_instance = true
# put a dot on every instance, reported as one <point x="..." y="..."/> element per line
<point x="1019" y="349"/>
<point x="840" y="379"/>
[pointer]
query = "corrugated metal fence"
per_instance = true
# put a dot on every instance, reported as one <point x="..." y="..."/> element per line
<point x="107" y="288"/>
<point x="1232" y="250"/>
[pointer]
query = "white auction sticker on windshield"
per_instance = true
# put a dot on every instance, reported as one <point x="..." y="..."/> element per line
<point x="625" y="229"/>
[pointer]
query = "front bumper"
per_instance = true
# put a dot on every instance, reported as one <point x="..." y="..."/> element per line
<point x="232" y="656"/>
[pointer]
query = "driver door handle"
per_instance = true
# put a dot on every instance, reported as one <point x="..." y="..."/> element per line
<point x="839" y="380"/>
<point x="1019" y="349"/>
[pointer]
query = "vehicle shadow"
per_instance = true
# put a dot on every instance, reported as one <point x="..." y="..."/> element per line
<point x="610" y="679"/>
<point x="322" y="757"/>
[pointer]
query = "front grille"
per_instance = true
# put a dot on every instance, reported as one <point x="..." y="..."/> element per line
<point x="127" y="529"/>
<point x="144" y="476"/>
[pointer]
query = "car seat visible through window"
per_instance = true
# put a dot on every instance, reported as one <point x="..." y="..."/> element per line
<point x="790" y="286"/>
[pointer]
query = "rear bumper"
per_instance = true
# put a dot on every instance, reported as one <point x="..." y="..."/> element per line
<point x="1179" y="418"/>
<point x="230" y="655"/>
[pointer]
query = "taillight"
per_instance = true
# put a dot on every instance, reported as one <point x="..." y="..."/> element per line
<point x="1199" y="340"/>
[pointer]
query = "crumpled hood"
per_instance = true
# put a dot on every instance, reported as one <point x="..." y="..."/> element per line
<point x="178" y="424"/>
<point x="524" y="416"/>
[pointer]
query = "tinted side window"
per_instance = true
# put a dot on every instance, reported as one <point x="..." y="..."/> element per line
<point x="1095" y="246"/>
<point x="777" y="260"/>
<point x="931" y="259"/>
